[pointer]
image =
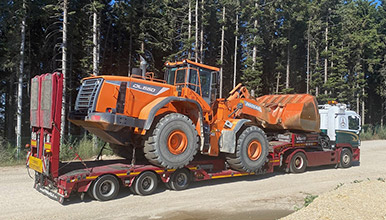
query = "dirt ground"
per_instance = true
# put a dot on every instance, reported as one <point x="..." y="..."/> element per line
<point x="268" y="196"/>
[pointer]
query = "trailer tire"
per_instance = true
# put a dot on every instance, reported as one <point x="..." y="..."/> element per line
<point x="172" y="143"/>
<point x="146" y="183"/>
<point x="345" y="158"/>
<point x="251" y="151"/>
<point x="105" y="188"/>
<point x="180" y="179"/>
<point x="298" y="163"/>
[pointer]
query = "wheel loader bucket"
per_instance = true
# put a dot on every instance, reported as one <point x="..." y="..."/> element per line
<point x="293" y="112"/>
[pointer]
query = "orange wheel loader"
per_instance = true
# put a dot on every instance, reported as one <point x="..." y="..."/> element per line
<point x="167" y="121"/>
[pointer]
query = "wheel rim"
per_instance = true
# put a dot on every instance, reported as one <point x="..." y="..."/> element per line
<point x="298" y="162"/>
<point x="346" y="159"/>
<point x="254" y="150"/>
<point x="147" y="184"/>
<point x="107" y="188"/>
<point x="181" y="179"/>
<point x="177" y="142"/>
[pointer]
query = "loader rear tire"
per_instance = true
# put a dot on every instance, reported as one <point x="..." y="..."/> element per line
<point x="251" y="151"/>
<point x="172" y="143"/>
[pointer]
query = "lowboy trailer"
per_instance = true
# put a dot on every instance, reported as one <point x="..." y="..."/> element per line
<point x="102" y="179"/>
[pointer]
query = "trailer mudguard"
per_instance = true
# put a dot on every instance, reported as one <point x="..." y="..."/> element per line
<point x="227" y="140"/>
<point x="149" y="111"/>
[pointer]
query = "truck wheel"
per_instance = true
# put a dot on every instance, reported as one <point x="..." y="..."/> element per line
<point x="345" y="158"/>
<point x="180" y="179"/>
<point x="172" y="143"/>
<point x="145" y="183"/>
<point x="105" y="188"/>
<point x="251" y="151"/>
<point x="298" y="163"/>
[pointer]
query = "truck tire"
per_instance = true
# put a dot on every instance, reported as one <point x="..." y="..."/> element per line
<point x="345" y="158"/>
<point x="298" y="163"/>
<point x="172" y="143"/>
<point x="105" y="188"/>
<point x="145" y="184"/>
<point x="180" y="179"/>
<point x="251" y="151"/>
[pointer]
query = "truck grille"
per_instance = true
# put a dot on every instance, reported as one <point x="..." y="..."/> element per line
<point x="87" y="95"/>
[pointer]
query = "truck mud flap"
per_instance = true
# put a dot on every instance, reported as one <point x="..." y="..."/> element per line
<point x="49" y="192"/>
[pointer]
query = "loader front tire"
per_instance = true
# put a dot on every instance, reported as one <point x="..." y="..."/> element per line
<point x="172" y="143"/>
<point x="251" y="151"/>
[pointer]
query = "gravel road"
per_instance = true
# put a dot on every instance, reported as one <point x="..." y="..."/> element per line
<point x="268" y="196"/>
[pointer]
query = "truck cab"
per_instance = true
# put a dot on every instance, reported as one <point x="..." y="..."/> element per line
<point x="340" y="124"/>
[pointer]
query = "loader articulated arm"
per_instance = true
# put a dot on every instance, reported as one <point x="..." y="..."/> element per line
<point x="276" y="112"/>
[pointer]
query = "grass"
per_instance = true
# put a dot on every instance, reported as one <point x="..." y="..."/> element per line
<point x="84" y="147"/>
<point x="370" y="132"/>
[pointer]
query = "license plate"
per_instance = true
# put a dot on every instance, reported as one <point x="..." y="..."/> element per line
<point x="36" y="164"/>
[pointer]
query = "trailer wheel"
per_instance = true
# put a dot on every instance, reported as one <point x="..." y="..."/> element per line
<point x="345" y="158"/>
<point x="146" y="183"/>
<point x="105" y="188"/>
<point x="180" y="179"/>
<point x="298" y="163"/>
<point x="251" y="151"/>
<point x="172" y="143"/>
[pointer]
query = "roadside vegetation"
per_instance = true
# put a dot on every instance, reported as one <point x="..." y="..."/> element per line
<point x="82" y="146"/>
<point x="370" y="132"/>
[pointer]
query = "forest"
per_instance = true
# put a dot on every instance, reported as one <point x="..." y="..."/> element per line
<point x="332" y="49"/>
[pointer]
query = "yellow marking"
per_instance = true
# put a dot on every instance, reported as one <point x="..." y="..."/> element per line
<point x="36" y="164"/>
<point x="241" y="174"/>
<point x="134" y="173"/>
<point x="33" y="143"/>
<point x="171" y="170"/>
<point x="91" y="177"/>
<point x="274" y="161"/>
<point x="159" y="171"/>
<point x="193" y="168"/>
<point x="223" y="176"/>
<point x="47" y="146"/>
<point x="122" y="174"/>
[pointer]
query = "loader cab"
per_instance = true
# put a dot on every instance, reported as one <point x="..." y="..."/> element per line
<point x="202" y="79"/>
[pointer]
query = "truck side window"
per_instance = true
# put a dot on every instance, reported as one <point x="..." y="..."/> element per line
<point x="353" y="123"/>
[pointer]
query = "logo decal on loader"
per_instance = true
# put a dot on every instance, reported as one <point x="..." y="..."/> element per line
<point x="252" y="106"/>
<point x="150" y="89"/>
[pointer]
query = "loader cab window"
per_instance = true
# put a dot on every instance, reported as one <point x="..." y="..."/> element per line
<point x="170" y="75"/>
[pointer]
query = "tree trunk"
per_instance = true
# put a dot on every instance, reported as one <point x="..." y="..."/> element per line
<point x="20" y="83"/>
<point x="130" y="48"/>
<point x="317" y="68"/>
<point x="189" y="28"/>
<point x="277" y="83"/>
<point x="363" y="106"/>
<point x="222" y="50"/>
<point x="235" y="58"/>
<point x="202" y="33"/>
<point x="254" y="51"/>
<point x="196" y="35"/>
<point x="308" y="57"/>
<point x="287" y="77"/>
<point x="95" y="55"/>
<point x="326" y="59"/>
<point x="64" y="68"/>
